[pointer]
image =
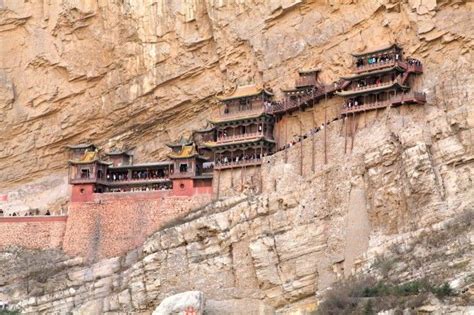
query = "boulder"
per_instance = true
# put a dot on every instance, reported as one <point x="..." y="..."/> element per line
<point x="189" y="303"/>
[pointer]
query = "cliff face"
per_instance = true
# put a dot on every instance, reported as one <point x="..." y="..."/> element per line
<point x="396" y="208"/>
<point x="139" y="73"/>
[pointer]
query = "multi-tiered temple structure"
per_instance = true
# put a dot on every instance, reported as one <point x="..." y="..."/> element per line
<point x="381" y="78"/>
<point x="243" y="127"/>
<point x="90" y="173"/>
<point x="242" y="133"/>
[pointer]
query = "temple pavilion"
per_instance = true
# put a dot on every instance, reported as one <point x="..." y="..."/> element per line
<point x="90" y="172"/>
<point x="243" y="128"/>
<point x="87" y="172"/>
<point x="125" y="176"/>
<point x="308" y="89"/>
<point x="381" y="78"/>
<point x="193" y="171"/>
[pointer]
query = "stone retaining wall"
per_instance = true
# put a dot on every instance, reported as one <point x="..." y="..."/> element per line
<point x="109" y="227"/>
<point x="41" y="232"/>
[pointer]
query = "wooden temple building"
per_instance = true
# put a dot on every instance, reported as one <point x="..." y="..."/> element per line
<point x="243" y="128"/>
<point x="381" y="78"/>
<point x="192" y="168"/>
<point x="91" y="173"/>
<point x="308" y="91"/>
<point x="241" y="134"/>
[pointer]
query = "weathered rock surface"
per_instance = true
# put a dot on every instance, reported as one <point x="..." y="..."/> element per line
<point x="139" y="73"/>
<point x="286" y="246"/>
<point x="142" y="72"/>
<point x="193" y="301"/>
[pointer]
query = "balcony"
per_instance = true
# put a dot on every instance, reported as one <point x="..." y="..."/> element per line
<point x="306" y="81"/>
<point x="222" y="117"/>
<point x="138" y="181"/>
<point x="242" y="163"/>
<point x="413" y="66"/>
<point x="239" y="137"/>
<point x="371" y="87"/>
<point x="405" y="98"/>
<point x="290" y="104"/>
<point x="374" y="66"/>
<point x="410" y="98"/>
<point x="89" y="180"/>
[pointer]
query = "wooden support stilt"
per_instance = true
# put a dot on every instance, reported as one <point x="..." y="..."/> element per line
<point x="353" y="131"/>
<point x="312" y="140"/>
<point x="231" y="172"/>
<point x="325" y="136"/>
<point x="301" y="147"/>
<point x="218" y="173"/>
<point x="286" y="141"/>
<point x="242" y="175"/>
<point x="345" y="122"/>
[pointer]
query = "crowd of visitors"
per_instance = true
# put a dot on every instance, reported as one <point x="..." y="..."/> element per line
<point x="299" y="138"/>
<point x="162" y="186"/>
<point x="28" y="213"/>
<point x="138" y="175"/>
<point x="413" y="61"/>
<point x="239" y="159"/>
<point x="379" y="59"/>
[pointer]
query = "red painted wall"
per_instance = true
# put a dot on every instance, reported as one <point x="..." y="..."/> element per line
<point x="82" y="193"/>
<point x="183" y="187"/>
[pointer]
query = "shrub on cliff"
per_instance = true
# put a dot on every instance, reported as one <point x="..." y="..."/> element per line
<point x="365" y="295"/>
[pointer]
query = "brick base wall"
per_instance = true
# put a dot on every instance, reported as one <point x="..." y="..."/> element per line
<point x="32" y="232"/>
<point x="112" y="225"/>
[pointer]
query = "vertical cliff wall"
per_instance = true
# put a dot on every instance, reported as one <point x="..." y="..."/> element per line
<point x="140" y="73"/>
<point x="398" y="189"/>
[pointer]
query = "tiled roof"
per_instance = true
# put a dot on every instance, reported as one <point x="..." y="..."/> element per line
<point x="182" y="141"/>
<point x="375" y="50"/>
<point x="186" y="151"/>
<point x="244" y="91"/>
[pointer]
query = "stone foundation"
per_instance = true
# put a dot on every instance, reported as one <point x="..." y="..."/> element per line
<point x="32" y="232"/>
<point x="116" y="223"/>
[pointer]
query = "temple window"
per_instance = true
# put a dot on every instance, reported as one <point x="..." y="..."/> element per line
<point x="85" y="173"/>
<point x="183" y="168"/>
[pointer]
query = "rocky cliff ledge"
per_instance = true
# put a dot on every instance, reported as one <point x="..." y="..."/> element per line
<point x="139" y="73"/>
<point x="396" y="208"/>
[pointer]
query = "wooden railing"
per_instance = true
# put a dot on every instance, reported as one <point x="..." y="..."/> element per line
<point x="374" y="66"/>
<point x="138" y="181"/>
<point x="241" y="163"/>
<point x="238" y="114"/>
<point x="306" y="81"/>
<point x="89" y="180"/>
<point x="411" y="67"/>
<point x="306" y="99"/>
<point x="410" y="97"/>
<point x="376" y="85"/>
<point x="233" y="138"/>
<point x="404" y="98"/>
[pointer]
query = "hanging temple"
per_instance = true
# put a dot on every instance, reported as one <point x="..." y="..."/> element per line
<point x="242" y="133"/>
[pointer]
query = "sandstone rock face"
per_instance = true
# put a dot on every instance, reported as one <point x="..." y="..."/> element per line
<point x="394" y="197"/>
<point x="139" y="73"/>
